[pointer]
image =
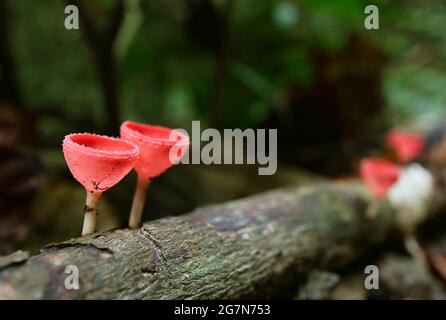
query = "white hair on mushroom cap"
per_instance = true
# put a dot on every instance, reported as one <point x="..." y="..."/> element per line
<point x="411" y="195"/>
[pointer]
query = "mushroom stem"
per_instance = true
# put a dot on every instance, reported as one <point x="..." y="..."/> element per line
<point x="139" y="198"/>
<point x="91" y="211"/>
<point x="416" y="251"/>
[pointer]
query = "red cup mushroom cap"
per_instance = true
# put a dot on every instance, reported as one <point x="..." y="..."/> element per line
<point x="408" y="146"/>
<point x="156" y="145"/>
<point x="98" y="162"/>
<point x="379" y="175"/>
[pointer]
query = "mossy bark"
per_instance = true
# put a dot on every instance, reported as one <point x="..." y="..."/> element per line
<point x="258" y="247"/>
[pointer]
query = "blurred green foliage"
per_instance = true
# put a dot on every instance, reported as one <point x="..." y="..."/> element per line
<point x="168" y="76"/>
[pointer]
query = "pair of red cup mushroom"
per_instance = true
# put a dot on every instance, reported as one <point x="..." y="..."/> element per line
<point x="100" y="162"/>
<point x="409" y="188"/>
<point x="379" y="174"/>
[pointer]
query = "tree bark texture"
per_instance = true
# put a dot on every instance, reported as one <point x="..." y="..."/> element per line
<point x="258" y="247"/>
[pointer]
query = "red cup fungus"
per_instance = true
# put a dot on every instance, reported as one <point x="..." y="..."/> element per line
<point x="407" y="146"/>
<point x="379" y="175"/>
<point x="160" y="148"/>
<point x="98" y="163"/>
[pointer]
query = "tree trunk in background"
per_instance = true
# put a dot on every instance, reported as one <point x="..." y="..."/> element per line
<point x="9" y="84"/>
<point x="100" y="43"/>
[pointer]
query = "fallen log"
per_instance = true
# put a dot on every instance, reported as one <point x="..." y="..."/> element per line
<point x="258" y="247"/>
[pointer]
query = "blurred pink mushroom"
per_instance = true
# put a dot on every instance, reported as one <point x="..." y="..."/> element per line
<point x="379" y="175"/>
<point x="98" y="163"/>
<point x="160" y="148"/>
<point x="407" y="146"/>
<point x="409" y="190"/>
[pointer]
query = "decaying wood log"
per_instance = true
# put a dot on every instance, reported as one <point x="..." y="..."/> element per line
<point x="257" y="247"/>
